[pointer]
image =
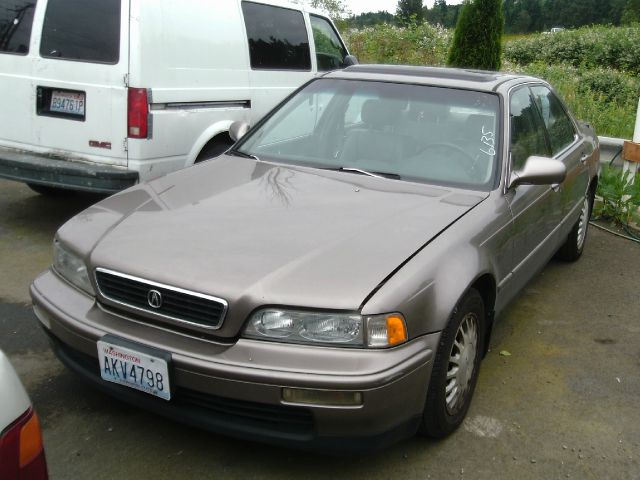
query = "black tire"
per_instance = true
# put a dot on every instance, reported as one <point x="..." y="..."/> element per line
<point x="442" y="413"/>
<point x="573" y="247"/>
<point x="51" y="191"/>
<point x="214" y="148"/>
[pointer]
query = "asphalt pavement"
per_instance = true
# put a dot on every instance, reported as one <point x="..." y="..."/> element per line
<point x="558" y="394"/>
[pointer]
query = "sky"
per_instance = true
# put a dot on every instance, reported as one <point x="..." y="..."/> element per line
<point x="361" y="6"/>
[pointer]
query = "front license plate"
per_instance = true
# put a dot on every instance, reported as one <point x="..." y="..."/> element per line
<point x="132" y="368"/>
<point x="67" y="102"/>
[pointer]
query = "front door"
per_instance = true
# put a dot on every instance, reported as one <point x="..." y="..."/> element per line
<point x="537" y="209"/>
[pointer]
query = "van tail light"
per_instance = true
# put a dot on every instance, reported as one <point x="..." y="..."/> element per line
<point x="21" y="450"/>
<point x="137" y="113"/>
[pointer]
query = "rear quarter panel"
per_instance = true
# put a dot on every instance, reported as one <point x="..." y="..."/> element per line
<point x="191" y="54"/>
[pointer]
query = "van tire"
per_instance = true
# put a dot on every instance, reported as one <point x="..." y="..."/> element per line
<point x="215" y="147"/>
<point x="50" y="191"/>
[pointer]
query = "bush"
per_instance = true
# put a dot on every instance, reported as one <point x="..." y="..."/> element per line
<point x="620" y="198"/>
<point x="412" y="45"/>
<point x="611" y="85"/>
<point x="607" y="99"/>
<point x="603" y="96"/>
<point x="477" y="41"/>
<point x="599" y="46"/>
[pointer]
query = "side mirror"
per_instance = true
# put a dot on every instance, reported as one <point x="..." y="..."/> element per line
<point x="349" y="60"/>
<point x="238" y="130"/>
<point x="539" y="171"/>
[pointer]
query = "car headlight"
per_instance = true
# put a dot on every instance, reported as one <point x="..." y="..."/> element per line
<point x="340" y="329"/>
<point x="71" y="267"/>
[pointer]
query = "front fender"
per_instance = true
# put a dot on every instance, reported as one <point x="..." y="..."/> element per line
<point x="427" y="288"/>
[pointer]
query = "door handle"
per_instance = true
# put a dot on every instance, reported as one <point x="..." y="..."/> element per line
<point x="584" y="158"/>
<point x="556" y="187"/>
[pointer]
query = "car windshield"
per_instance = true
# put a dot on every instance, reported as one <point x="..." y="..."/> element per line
<point x="443" y="136"/>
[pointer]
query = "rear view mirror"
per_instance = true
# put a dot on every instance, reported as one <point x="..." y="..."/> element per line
<point x="539" y="171"/>
<point x="238" y="130"/>
<point x="349" y="60"/>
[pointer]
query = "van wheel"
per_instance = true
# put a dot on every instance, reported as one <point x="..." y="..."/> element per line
<point x="50" y="191"/>
<point x="215" y="147"/>
<point x="456" y="367"/>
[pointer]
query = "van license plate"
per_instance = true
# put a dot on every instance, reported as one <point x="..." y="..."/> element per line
<point x="67" y="102"/>
<point x="132" y="368"/>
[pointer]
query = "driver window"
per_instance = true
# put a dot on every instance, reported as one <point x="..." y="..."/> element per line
<point x="527" y="129"/>
<point x="329" y="49"/>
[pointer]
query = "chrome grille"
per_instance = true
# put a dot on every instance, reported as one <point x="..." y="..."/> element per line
<point x="176" y="304"/>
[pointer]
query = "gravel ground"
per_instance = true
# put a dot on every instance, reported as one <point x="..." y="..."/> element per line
<point x="562" y="404"/>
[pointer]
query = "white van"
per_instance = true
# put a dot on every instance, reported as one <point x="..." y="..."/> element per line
<point x="97" y="95"/>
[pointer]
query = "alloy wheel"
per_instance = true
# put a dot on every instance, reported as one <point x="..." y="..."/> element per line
<point x="583" y="223"/>
<point x="462" y="363"/>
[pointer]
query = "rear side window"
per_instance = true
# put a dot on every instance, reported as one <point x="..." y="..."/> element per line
<point x="84" y="30"/>
<point x="16" y="17"/>
<point x="277" y="38"/>
<point x="330" y="52"/>
<point x="560" y="128"/>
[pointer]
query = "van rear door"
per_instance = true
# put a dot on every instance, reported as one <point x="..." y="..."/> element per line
<point x="16" y="52"/>
<point x="79" y="80"/>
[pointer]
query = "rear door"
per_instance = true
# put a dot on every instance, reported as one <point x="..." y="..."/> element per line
<point x="78" y="87"/>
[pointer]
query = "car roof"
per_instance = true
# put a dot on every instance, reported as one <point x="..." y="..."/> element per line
<point x="450" y="77"/>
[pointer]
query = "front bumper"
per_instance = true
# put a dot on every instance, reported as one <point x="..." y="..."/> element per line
<point x="236" y="388"/>
<point x="43" y="170"/>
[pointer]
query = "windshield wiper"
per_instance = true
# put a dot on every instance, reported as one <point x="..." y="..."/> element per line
<point x="394" y="176"/>
<point x="238" y="153"/>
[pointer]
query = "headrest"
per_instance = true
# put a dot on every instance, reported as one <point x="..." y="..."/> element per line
<point x="380" y="113"/>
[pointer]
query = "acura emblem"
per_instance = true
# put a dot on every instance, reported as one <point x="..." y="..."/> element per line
<point x="154" y="297"/>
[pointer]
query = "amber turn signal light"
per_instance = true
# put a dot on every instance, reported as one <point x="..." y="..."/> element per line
<point x="396" y="330"/>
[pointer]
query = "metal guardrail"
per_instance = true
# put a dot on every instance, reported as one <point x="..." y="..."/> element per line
<point x="611" y="150"/>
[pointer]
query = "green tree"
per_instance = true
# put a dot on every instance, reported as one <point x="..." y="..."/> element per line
<point x="370" y="19"/>
<point x="631" y="13"/>
<point x="410" y="11"/>
<point x="442" y="14"/>
<point x="477" y="40"/>
<point x="439" y="12"/>
<point x="335" y="8"/>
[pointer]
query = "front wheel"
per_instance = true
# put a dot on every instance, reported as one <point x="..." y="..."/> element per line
<point x="456" y="367"/>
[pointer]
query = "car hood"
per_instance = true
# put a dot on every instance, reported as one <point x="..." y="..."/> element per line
<point x="255" y="233"/>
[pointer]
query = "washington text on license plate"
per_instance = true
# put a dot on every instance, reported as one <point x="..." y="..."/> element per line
<point x="135" y="369"/>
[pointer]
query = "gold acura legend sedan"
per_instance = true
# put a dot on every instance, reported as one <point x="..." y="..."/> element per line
<point x="330" y="282"/>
